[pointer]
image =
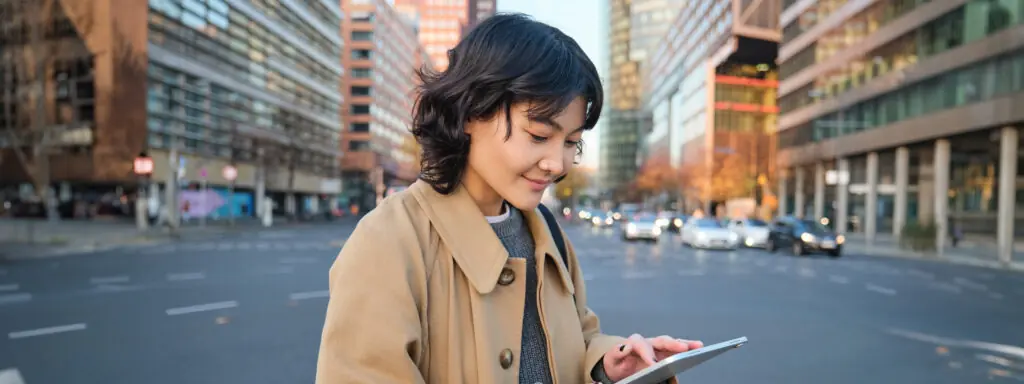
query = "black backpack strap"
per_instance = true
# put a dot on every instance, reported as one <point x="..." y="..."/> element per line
<point x="556" y="232"/>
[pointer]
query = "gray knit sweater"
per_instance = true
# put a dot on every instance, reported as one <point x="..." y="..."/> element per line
<point x="516" y="237"/>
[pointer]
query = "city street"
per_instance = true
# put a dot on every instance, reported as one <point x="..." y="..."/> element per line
<point x="248" y="308"/>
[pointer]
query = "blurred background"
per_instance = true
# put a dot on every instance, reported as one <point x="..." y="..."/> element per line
<point x="836" y="180"/>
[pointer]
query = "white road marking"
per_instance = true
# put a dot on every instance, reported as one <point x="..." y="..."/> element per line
<point x="947" y="287"/>
<point x="15" y="298"/>
<point x="970" y="284"/>
<point x="11" y="376"/>
<point x="920" y="273"/>
<point x="838" y="279"/>
<point x="186" y="276"/>
<point x="880" y="289"/>
<point x="46" y="331"/>
<point x="202" y="308"/>
<point x="309" y="295"/>
<point x="8" y="287"/>
<point x="638" y="275"/>
<point x="109" y="280"/>
<point x="691" y="272"/>
<point x="1011" y="350"/>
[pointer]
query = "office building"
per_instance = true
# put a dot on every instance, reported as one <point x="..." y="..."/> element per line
<point x="635" y="28"/>
<point x="440" y="24"/>
<point x="380" y="56"/>
<point x="711" y="87"/>
<point x="252" y="84"/>
<point x="904" y="112"/>
<point x="478" y="11"/>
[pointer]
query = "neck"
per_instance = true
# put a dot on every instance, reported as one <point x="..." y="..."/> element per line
<point x="483" y="195"/>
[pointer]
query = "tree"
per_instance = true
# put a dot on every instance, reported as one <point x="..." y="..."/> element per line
<point x="30" y="63"/>
<point x="574" y="183"/>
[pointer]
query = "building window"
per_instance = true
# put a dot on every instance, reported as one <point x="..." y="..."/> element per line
<point x="360" y="127"/>
<point x="362" y="36"/>
<point x="358" y="145"/>
<point x="358" y="109"/>
<point x="362" y="73"/>
<point x="361" y="54"/>
<point x="360" y="91"/>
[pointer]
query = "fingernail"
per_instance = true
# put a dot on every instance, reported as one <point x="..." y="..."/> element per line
<point x="622" y="347"/>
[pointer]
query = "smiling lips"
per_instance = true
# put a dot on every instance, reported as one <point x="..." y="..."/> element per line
<point x="537" y="185"/>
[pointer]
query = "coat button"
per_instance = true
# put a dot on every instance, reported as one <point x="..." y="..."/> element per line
<point x="505" y="358"/>
<point x="507" y="276"/>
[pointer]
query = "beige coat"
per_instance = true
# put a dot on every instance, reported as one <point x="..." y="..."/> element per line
<point x="424" y="292"/>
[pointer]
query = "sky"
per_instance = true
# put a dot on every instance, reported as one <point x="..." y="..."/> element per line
<point x="586" y="22"/>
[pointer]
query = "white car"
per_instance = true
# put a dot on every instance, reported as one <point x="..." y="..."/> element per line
<point x="642" y="227"/>
<point x="752" y="232"/>
<point x="709" y="233"/>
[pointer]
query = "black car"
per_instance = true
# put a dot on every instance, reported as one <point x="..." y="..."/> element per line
<point x="803" y="237"/>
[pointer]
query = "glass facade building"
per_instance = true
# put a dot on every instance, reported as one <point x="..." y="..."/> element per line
<point x="713" y="83"/>
<point x="247" y="83"/>
<point x="904" y="111"/>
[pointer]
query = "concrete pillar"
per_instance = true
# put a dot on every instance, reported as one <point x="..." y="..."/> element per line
<point x="819" y="190"/>
<point x="289" y="204"/>
<point x="842" y="195"/>
<point x="783" y="193"/>
<point x="260" y="190"/>
<point x="798" y="210"/>
<point x="941" y="195"/>
<point x="899" y="213"/>
<point x="1008" y="147"/>
<point x="925" y="186"/>
<point x="871" y="200"/>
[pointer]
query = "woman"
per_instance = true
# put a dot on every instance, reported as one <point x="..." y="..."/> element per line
<point x="458" y="279"/>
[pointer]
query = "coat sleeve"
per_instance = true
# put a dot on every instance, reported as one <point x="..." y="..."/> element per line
<point x="372" y="331"/>
<point x="597" y="342"/>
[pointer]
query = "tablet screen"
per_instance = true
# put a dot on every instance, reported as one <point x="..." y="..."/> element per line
<point x="680" y="362"/>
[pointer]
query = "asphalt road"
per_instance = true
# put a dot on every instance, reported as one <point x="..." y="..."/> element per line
<point x="249" y="309"/>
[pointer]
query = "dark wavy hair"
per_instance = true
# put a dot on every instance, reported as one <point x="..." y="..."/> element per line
<point x="507" y="59"/>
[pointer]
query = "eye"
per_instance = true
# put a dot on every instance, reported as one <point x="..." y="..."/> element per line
<point x="538" y="139"/>
<point x="573" y="143"/>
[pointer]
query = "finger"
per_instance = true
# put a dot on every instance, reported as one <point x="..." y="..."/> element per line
<point x="642" y="348"/>
<point x="694" y="344"/>
<point x="669" y="344"/>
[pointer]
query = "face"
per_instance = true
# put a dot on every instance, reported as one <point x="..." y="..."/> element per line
<point x="519" y="169"/>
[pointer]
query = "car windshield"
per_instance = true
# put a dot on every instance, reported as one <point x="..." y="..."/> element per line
<point x="708" y="223"/>
<point x="756" y="223"/>
<point x="645" y="218"/>
<point x="814" y="226"/>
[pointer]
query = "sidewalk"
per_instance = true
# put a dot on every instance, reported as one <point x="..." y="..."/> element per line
<point x="22" y="239"/>
<point x="975" y="252"/>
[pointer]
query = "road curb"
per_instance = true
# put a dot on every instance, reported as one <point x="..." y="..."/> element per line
<point x="867" y="251"/>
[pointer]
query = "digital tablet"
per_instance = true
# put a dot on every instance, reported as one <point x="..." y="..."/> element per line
<point x="680" y="362"/>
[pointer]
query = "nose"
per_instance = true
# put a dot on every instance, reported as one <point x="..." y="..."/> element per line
<point x="552" y="164"/>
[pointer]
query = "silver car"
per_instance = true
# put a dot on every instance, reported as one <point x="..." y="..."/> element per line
<point x="642" y="227"/>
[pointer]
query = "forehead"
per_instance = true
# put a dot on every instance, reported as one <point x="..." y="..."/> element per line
<point x="572" y="117"/>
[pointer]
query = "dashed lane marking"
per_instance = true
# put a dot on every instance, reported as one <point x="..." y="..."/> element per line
<point x="46" y="331"/>
<point x="202" y="308"/>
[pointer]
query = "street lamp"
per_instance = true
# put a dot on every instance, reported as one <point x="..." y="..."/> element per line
<point x="143" y="168"/>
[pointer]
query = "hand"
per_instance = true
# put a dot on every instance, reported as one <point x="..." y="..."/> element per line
<point x="639" y="353"/>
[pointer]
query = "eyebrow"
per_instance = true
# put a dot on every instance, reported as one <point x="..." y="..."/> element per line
<point x="553" y="123"/>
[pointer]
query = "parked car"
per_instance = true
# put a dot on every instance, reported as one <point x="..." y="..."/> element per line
<point x="600" y="220"/>
<point x="752" y="232"/>
<point x="804" y="236"/>
<point x="709" y="233"/>
<point x="642" y="227"/>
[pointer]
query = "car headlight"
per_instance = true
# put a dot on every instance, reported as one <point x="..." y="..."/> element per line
<point x="733" y="237"/>
<point x="656" y="231"/>
<point x="678" y="222"/>
<point x="596" y="220"/>
<point x="807" y="237"/>
<point x="617" y="216"/>
<point x="631" y="228"/>
<point x="840" y="239"/>
<point x="608" y="221"/>
<point x="702" y="235"/>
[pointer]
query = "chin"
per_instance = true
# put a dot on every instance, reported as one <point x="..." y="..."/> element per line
<point x="526" y="201"/>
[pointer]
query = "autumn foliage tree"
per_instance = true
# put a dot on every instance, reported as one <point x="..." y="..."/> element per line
<point x="573" y="184"/>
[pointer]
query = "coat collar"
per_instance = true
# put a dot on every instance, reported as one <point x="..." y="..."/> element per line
<point x="472" y="241"/>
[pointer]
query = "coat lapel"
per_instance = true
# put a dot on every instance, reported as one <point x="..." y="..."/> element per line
<point x="465" y="231"/>
<point x="546" y="248"/>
